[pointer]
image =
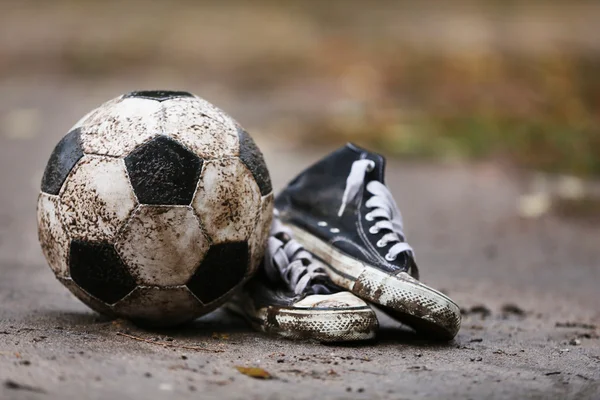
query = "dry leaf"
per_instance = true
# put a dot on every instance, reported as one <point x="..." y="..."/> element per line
<point x="254" y="372"/>
<point x="220" y="336"/>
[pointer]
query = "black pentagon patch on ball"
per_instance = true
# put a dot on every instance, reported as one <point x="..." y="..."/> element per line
<point x="62" y="160"/>
<point x="223" y="267"/>
<point x="98" y="269"/>
<point x="158" y="95"/>
<point x="253" y="158"/>
<point x="163" y="172"/>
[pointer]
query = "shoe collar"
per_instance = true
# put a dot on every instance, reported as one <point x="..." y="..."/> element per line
<point x="378" y="172"/>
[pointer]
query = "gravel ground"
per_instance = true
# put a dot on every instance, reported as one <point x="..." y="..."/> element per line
<point x="529" y="290"/>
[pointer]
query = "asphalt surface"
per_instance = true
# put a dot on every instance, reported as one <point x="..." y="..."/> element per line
<point x="529" y="288"/>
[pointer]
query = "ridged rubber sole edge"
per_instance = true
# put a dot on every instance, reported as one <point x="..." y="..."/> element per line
<point x="322" y="325"/>
<point x="427" y="310"/>
<point x="334" y="325"/>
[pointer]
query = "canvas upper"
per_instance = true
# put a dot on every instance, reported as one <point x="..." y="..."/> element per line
<point x="313" y="201"/>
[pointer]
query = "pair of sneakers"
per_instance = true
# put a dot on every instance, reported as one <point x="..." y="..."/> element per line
<point x="337" y="245"/>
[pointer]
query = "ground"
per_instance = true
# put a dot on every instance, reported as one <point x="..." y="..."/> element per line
<point x="529" y="290"/>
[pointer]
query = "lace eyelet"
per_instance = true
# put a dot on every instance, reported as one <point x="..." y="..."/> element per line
<point x="369" y="217"/>
<point x="373" y="230"/>
<point x="381" y="243"/>
<point x="390" y="258"/>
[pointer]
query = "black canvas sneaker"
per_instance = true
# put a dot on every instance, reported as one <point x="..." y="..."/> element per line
<point x="342" y="212"/>
<point x="292" y="296"/>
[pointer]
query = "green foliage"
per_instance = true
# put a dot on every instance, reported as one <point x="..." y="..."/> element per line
<point x="538" y="111"/>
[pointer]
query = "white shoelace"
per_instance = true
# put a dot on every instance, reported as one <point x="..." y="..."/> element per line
<point x="290" y="261"/>
<point x="384" y="207"/>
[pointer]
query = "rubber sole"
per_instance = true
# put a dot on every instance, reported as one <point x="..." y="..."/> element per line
<point x="429" y="312"/>
<point x="324" y="325"/>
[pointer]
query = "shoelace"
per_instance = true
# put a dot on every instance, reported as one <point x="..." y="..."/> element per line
<point x="288" y="260"/>
<point x="384" y="208"/>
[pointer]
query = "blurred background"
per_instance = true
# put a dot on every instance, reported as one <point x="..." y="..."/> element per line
<point x="514" y="83"/>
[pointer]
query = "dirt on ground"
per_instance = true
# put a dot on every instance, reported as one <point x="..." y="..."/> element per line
<point x="528" y="289"/>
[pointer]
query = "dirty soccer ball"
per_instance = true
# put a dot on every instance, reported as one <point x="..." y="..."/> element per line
<point x="155" y="207"/>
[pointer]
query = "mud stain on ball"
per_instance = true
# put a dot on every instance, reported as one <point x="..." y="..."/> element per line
<point x="163" y="245"/>
<point x="53" y="237"/>
<point x="207" y="109"/>
<point x="97" y="199"/>
<point x="186" y="121"/>
<point x="119" y="126"/>
<point x="227" y="200"/>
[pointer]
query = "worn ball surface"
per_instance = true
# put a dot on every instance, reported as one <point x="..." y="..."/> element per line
<point x="155" y="207"/>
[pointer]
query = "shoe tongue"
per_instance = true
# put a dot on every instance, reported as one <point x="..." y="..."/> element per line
<point x="378" y="173"/>
<point x="319" y="285"/>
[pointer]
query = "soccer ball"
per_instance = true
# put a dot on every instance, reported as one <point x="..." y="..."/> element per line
<point x="155" y="207"/>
